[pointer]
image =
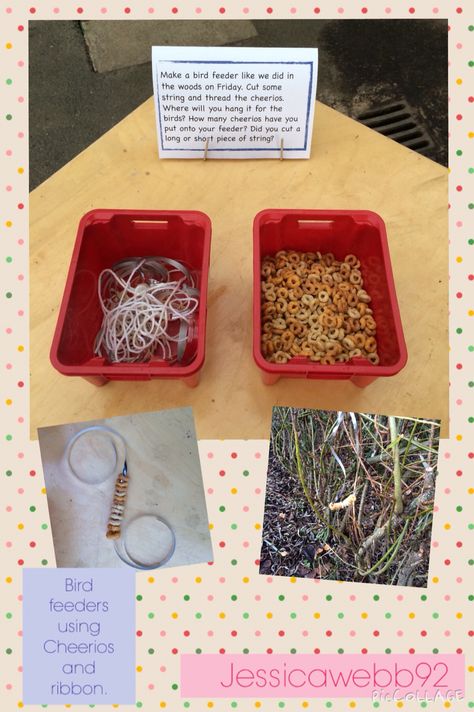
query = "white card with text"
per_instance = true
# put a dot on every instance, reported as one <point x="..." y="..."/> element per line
<point x="234" y="102"/>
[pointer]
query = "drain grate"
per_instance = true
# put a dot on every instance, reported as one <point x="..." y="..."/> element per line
<point x="399" y="122"/>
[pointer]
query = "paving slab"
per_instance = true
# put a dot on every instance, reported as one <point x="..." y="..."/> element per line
<point x="117" y="43"/>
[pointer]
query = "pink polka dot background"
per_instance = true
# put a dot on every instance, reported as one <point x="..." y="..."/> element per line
<point x="227" y="606"/>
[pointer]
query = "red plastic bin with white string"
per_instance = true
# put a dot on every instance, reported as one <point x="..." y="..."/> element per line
<point x="105" y="237"/>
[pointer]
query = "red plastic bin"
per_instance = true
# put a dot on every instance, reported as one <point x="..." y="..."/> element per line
<point x="105" y="237"/>
<point x="342" y="232"/>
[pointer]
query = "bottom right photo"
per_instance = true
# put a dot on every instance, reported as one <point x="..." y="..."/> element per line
<point x="349" y="496"/>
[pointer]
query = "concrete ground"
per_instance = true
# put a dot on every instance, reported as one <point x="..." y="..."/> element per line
<point x="362" y="64"/>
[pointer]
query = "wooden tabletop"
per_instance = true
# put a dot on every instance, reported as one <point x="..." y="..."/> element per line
<point x="351" y="167"/>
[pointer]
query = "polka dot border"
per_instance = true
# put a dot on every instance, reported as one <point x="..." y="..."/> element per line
<point x="228" y="607"/>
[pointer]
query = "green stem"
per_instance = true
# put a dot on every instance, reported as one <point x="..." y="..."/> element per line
<point x="397" y="476"/>
<point x="299" y="466"/>
<point x="392" y="552"/>
<point x="407" y="449"/>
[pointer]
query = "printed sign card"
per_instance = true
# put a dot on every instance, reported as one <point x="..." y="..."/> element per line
<point x="234" y="102"/>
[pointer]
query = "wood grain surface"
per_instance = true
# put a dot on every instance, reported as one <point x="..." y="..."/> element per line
<point x="351" y="167"/>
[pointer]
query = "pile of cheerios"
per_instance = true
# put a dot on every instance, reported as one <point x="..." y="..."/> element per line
<point x="316" y="307"/>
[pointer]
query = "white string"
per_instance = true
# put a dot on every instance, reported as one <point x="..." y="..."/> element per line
<point x="112" y="435"/>
<point x="142" y="300"/>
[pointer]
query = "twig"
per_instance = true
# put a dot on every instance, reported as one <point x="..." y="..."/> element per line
<point x="362" y="502"/>
<point x="397" y="476"/>
<point x="305" y="489"/>
<point x="392" y="552"/>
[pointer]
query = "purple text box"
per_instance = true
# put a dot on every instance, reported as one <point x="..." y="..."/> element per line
<point x="78" y="636"/>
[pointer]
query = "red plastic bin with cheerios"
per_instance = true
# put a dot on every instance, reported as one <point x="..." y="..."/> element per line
<point x="325" y="304"/>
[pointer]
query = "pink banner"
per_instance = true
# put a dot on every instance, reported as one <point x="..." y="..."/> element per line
<point x="376" y="676"/>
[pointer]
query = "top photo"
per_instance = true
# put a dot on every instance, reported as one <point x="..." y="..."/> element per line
<point x="238" y="215"/>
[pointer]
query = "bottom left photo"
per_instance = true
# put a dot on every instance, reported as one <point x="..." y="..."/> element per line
<point x="126" y="491"/>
